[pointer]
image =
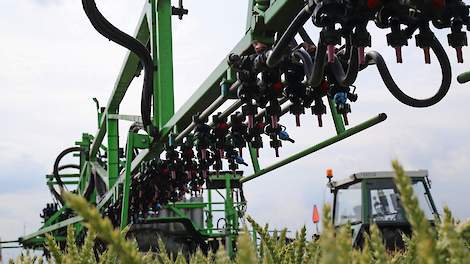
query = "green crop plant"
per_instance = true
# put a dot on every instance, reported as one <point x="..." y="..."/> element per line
<point x="448" y="242"/>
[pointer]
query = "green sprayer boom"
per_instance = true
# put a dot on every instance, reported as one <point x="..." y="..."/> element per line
<point x="163" y="180"/>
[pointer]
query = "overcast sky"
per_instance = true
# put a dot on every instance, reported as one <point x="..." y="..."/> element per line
<point x="53" y="63"/>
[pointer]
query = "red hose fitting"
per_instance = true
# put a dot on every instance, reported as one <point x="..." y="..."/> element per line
<point x="398" y="54"/>
<point x="362" y="56"/>
<point x="459" y="54"/>
<point x="427" y="55"/>
<point x="331" y="53"/>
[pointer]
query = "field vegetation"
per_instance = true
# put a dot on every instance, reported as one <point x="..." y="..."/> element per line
<point x="449" y="242"/>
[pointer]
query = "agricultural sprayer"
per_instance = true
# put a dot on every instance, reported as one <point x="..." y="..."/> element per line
<point x="162" y="181"/>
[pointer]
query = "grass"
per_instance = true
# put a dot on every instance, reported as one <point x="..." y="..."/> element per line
<point x="449" y="242"/>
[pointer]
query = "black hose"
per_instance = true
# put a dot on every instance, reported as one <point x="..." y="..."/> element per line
<point x="336" y="69"/>
<point x="57" y="169"/>
<point x="305" y="37"/>
<point x="100" y="185"/>
<point x="88" y="190"/>
<point x="281" y="46"/>
<point x="105" y="28"/>
<point x="318" y="65"/>
<point x="51" y="187"/>
<point x="306" y="61"/>
<point x="95" y="183"/>
<point x="69" y="166"/>
<point x="56" y="195"/>
<point x="374" y="57"/>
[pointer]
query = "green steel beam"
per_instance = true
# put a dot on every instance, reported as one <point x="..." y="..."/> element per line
<point x="84" y="177"/>
<point x="209" y="218"/>
<point x="256" y="9"/>
<point x="66" y="175"/>
<point x="254" y="158"/>
<point x="365" y="202"/>
<point x="63" y="182"/>
<point x="191" y="205"/>
<point x="127" y="181"/>
<point x="54" y="217"/>
<point x="229" y="215"/>
<point x="39" y="242"/>
<point x="464" y="77"/>
<point x="85" y="173"/>
<point x="281" y="13"/>
<point x="337" y="118"/>
<point x="134" y="140"/>
<point x="163" y="55"/>
<point x="249" y="15"/>
<point x="181" y="214"/>
<point x="85" y="146"/>
<point x="52" y="228"/>
<point x="113" y="149"/>
<point x="104" y="148"/>
<point x="349" y="132"/>
<point x="154" y="45"/>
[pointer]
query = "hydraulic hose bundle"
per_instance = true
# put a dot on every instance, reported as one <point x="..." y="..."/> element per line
<point x="353" y="17"/>
<point x="306" y="73"/>
<point x="56" y="170"/>
<point x="94" y="182"/>
<point x="105" y="28"/>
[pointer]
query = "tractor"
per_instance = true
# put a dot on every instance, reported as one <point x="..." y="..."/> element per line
<point x="366" y="198"/>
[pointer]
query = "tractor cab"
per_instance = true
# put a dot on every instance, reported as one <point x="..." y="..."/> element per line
<point x="372" y="197"/>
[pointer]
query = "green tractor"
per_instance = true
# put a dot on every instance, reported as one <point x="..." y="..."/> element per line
<point x="372" y="197"/>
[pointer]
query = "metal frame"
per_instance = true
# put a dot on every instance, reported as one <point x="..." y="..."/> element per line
<point x="263" y="21"/>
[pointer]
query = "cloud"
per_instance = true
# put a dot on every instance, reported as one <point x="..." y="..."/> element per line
<point x="20" y="174"/>
<point x="47" y="2"/>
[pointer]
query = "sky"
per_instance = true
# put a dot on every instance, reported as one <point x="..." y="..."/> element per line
<point x="54" y="63"/>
